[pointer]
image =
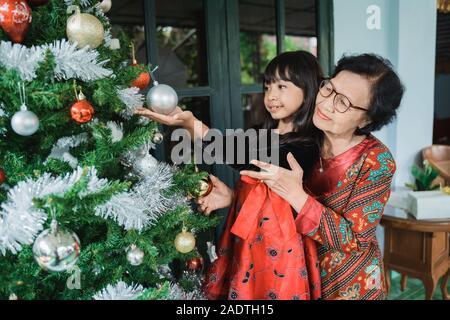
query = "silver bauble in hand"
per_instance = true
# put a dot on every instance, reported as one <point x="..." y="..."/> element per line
<point x="135" y="255"/>
<point x="162" y="99"/>
<point x="56" y="249"/>
<point x="25" y="122"/>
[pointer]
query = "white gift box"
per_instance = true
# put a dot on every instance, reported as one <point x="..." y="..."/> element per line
<point x="427" y="205"/>
<point x="424" y="205"/>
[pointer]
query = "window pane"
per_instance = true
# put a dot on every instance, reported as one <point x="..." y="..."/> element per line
<point x="128" y="17"/>
<point x="181" y="32"/>
<point x="301" y="26"/>
<point x="257" y="38"/>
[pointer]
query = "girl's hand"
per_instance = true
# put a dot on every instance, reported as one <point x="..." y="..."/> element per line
<point x="220" y="197"/>
<point x="288" y="184"/>
<point x="177" y="117"/>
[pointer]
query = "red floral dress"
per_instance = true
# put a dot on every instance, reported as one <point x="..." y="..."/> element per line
<point x="261" y="255"/>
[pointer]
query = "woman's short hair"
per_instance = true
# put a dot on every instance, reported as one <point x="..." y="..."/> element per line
<point x="387" y="89"/>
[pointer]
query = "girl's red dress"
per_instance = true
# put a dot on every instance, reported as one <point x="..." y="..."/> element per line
<point x="261" y="255"/>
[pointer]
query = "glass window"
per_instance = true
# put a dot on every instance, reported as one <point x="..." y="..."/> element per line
<point x="301" y="26"/>
<point x="128" y="17"/>
<point x="181" y="43"/>
<point x="257" y="20"/>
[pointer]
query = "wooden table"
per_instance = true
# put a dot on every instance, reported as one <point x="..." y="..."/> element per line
<point x="416" y="248"/>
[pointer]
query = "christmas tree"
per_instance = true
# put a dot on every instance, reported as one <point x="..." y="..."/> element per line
<point x="86" y="211"/>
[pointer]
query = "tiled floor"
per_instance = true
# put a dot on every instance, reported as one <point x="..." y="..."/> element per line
<point x="414" y="289"/>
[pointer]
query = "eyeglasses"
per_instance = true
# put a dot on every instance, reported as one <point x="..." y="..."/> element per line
<point x="340" y="102"/>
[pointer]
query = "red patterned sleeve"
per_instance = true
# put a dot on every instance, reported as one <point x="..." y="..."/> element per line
<point x="353" y="225"/>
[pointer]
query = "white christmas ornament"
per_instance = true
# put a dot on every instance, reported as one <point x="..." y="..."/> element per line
<point x="56" y="249"/>
<point x="24" y="122"/>
<point x="135" y="255"/>
<point x="162" y="98"/>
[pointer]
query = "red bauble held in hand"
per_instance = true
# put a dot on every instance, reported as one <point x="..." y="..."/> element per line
<point x="15" y="19"/>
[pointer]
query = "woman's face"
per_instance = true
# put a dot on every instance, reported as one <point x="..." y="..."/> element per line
<point x="358" y="91"/>
<point x="282" y="99"/>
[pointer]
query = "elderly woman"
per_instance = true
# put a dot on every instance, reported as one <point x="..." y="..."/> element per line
<point x="342" y="201"/>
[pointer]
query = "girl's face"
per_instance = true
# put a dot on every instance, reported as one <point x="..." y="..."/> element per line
<point x="282" y="99"/>
<point x="358" y="91"/>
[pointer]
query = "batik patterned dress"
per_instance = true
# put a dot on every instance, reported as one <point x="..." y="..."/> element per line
<point x="349" y="198"/>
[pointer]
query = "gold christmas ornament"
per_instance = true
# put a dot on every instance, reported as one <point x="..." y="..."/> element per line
<point x="105" y="5"/>
<point x="84" y="29"/>
<point x="185" y="241"/>
<point x="204" y="188"/>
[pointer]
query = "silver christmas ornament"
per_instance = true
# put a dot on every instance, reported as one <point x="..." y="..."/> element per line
<point x="135" y="255"/>
<point x="158" y="138"/>
<point x="25" y="122"/>
<point x="162" y="99"/>
<point x="56" y="249"/>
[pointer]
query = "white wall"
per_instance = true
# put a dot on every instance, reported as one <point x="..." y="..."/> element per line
<point x="407" y="37"/>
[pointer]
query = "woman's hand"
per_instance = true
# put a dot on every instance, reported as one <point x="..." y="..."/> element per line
<point x="288" y="184"/>
<point x="220" y="197"/>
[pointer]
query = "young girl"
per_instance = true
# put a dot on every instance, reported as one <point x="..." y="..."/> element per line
<point x="261" y="256"/>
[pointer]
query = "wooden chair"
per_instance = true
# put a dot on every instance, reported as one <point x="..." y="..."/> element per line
<point x="439" y="158"/>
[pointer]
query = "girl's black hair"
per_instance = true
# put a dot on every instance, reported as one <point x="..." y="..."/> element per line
<point x="303" y="70"/>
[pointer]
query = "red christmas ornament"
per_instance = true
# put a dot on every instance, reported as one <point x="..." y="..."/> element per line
<point x="142" y="81"/>
<point x="82" y="111"/>
<point x="2" y="176"/>
<point x="195" y="264"/>
<point x="37" y="2"/>
<point x="15" y="19"/>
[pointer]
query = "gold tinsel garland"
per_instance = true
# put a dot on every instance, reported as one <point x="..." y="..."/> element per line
<point x="443" y="6"/>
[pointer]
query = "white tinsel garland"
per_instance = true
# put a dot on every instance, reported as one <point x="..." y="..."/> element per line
<point x="20" y="221"/>
<point x="82" y="3"/>
<point x="123" y="291"/>
<point x="119" y="291"/>
<point x="144" y="204"/>
<point x="132" y="100"/>
<point x="61" y="150"/>
<point x="71" y="62"/>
